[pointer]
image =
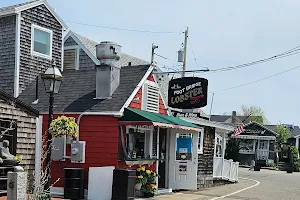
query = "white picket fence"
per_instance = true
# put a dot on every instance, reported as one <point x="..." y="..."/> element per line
<point x="226" y="169"/>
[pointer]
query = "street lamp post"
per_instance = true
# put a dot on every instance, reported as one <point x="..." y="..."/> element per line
<point x="52" y="79"/>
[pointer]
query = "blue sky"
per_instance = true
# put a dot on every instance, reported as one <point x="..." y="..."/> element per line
<point x="222" y="33"/>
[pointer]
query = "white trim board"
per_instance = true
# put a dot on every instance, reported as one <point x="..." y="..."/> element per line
<point x="34" y="53"/>
<point x="131" y="97"/>
<point x="17" y="56"/>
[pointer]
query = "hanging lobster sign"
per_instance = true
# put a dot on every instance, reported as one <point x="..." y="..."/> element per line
<point x="187" y="93"/>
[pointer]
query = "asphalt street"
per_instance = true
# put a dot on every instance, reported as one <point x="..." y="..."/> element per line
<point x="253" y="185"/>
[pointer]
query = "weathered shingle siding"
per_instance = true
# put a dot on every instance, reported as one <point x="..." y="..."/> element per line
<point x="31" y="66"/>
<point x="205" y="160"/>
<point x="26" y="131"/>
<point x="85" y="62"/>
<point x="70" y="42"/>
<point x="7" y="53"/>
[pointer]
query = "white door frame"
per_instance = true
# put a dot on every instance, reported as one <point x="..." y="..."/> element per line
<point x="192" y="165"/>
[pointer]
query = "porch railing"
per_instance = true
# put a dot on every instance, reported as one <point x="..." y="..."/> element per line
<point x="225" y="169"/>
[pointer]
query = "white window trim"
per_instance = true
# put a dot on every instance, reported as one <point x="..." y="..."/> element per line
<point x="201" y="134"/>
<point x="77" y="48"/>
<point x="33" y="26"/>
<point x="247" y="152"/>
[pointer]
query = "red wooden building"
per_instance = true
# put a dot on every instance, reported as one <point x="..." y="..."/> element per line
<point x="136" y="106"/>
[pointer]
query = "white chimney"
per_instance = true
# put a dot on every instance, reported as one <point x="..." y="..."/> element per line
<point x="107" y="73"/>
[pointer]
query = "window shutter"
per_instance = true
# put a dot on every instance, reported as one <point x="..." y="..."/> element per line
<point x="70" y="59"/>
<point x="150" y="97"/>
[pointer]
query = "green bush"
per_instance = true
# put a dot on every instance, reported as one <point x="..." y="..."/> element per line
<point x="296" y="161"/>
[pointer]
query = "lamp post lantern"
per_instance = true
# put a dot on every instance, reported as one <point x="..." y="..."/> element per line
<point x="52" y="79"/>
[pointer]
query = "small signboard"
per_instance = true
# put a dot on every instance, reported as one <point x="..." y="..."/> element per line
<point x="184" y="149"/>
<point x="187" y="93"/>
<point x="186" y="115"/>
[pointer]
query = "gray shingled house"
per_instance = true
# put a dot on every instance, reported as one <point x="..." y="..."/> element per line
<point x="80" y="54"/>
<point x="30" y="37"/>
<point x="18" y="125"/>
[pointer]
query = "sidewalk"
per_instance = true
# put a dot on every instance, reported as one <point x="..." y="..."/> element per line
<point x="205" y="193"/>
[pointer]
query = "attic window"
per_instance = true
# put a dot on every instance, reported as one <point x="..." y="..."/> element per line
<point x="150" y="99"/>
<point x="41" y="41"/>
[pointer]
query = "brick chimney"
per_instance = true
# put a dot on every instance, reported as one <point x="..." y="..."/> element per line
<point x="233" y="117"/>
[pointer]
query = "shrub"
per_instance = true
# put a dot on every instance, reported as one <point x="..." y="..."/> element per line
<point x="296" y="162"/>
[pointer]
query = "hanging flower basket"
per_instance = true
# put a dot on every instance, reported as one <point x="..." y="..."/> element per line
<point x="64" y="126"/>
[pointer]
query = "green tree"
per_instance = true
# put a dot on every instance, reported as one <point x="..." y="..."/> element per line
<point x="283" y="134"/>
<point x="257" y="114"/>
<point x="232" y="149"/>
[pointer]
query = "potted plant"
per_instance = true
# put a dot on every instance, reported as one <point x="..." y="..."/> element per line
<point x="64" y="126"/>
<point x="149" y="190"/>
<point x="138" y="182"/>
<point x="140" y="177"/>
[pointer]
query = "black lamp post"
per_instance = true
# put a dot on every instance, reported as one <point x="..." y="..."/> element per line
<point x="52" y="79"/>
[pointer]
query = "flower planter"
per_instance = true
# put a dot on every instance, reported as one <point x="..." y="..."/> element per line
<point x="148" y="194"/>
<point x="138" y="186"/>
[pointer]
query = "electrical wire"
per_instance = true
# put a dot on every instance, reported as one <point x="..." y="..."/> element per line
<point x="164" y="57"/>
<point x="281" y="55"/>
<point x="262" y="79"/>
<point x="293" y="51"/>
<point x="124" y="29"/>
<point x="193" y="52"/>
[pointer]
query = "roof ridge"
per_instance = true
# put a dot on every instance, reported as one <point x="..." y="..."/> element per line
<point x="18" y="5"/>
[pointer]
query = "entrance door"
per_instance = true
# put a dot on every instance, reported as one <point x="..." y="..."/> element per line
<point x="183" y="160"/>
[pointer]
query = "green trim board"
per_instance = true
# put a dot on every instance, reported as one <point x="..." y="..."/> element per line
<point x="140" y="117"/>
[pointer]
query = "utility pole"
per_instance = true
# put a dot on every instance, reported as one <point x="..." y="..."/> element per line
<point x="152" y="53"/>
<point x="184" y="49"/>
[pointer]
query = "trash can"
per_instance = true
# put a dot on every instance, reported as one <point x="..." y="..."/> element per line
<point x="123" y="187"/>
<point x="74" y="183"/>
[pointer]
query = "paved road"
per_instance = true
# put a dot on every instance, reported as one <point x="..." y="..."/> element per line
<point x="263" y="185"/>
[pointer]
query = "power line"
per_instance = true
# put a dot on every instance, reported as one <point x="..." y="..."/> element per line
<point x="293" y="51"/>
<point x="124" y="29"/>
<point x="193" y="52"/>
<point x="262" y="79"/>
<point x="281" y="55"/>
<point x="164" y="57"/>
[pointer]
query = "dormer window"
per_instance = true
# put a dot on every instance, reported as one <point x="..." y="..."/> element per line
<point x="41" y="41"/>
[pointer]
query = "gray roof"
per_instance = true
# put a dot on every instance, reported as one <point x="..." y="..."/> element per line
<point x="295" y="131"/>
<point x="9" y="98"/>
<point x="79" y="89"/>
<point x="124" y="59"/>
<point x="13" y="7"/>
<point x="224" y="118"/>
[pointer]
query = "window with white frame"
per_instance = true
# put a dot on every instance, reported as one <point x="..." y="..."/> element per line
<point x="247" y="146"/>
<point x="200" y="141"/>
<point x="150" y="99"/>
<point x="218" y="146"/>
<point x="41" y="41"/>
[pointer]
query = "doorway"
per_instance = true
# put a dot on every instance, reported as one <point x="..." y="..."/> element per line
<point x="162" y="155"/>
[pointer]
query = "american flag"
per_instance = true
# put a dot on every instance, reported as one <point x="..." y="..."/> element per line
<point x="238" y="130"/>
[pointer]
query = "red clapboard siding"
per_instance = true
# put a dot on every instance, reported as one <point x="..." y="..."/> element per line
<point x="151" y="78"/>
<point x="101" y="136"/>
<point x="137" y="100"/>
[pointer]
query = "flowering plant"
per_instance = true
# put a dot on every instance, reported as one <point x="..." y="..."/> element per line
<point x="64" y="126"/>
<point x="149" y="188"/>
<point x="141" y="176"/>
